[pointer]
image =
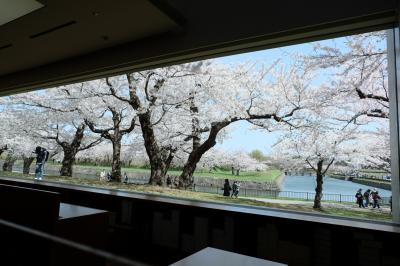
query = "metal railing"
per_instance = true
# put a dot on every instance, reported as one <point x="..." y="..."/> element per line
<point x="293" y="195"/>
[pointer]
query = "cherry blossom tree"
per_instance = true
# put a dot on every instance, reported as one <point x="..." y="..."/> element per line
<point x="212" y="159"/>
<point x="247" y="92"/>
<point x="134" y="152"/>
<point x="19" y="142"/>
<point x="9" y="161"/>
<point x="3" y="148"/>
<point x="375" y="148"/>
<point x="98" y="155"/>
<point x="53" y="115"/>
<point x="318" y="147"/>
<point x="153" y="95"/>
<point x="107" y="116"/>
<point x="358" y="73"/>
<point x="3" y="136"/>
<point x="241" y="160"/>
<point x="8" y="138"/>
<point x="358" y="88"/>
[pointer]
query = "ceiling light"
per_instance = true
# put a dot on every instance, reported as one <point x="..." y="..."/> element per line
<point x="13" y="9"/>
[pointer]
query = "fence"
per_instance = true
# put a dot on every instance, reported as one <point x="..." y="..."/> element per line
<point x="307" y="196"/>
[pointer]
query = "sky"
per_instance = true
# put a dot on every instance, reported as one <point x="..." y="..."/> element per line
<point x="242" y="136"/>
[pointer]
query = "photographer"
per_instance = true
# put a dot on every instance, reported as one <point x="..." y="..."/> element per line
<point x="42" y="155"/>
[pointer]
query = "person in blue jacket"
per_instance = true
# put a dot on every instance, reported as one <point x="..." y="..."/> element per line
<point x="42" y="155"/>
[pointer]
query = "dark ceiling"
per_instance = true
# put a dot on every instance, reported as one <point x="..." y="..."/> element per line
<point x="69" y="41"/>
<point x="62" y="30"/>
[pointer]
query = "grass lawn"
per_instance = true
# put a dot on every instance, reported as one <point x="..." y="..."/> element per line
<point x="362" y="213"/>
<point x="370" y="171"/>
<point x="370" y="214"/>
<point x="374" y="173"/>
<point x="268" y="175"/>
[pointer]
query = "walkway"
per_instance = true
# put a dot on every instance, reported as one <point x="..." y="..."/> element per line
<point x="384" y="209"/>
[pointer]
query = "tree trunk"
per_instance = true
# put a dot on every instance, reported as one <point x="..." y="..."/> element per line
<point x="233" y="170"/>
<point x="186" y="177"/>
<point x="116" y="160"/>
<point x="27" y="164"/>
<point x="157" y="164"/>
<point x="237" y="171"/>
<point x="318" y="189"/>
<point x="9" y="162"/>
<point x="158" y="172"/>
<point x="70" y="150"/>
<point x="67" y="162"/>
<point x="3" y="149"/>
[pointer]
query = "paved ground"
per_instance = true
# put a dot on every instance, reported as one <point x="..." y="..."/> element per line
<point x="384" y="209"/>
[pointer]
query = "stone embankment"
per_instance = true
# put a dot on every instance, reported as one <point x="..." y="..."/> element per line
<point x="382" y="184"/>
<point x="143" y="177"/>
<point x="373" y="183"/>
<point x="268" y="185"/>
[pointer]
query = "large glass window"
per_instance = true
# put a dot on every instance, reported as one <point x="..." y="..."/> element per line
<point x="303" y="127"/>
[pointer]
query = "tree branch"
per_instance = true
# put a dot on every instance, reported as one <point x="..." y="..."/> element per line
<point x="104" y="132"/>
<point x="147" y="84"/>
<point x="308" y="162"/>
<point x="114" y="93"/>
<point x="131" y="127"/>
<point x="362" y="95"/>
<point x="90" y="145"/>
<point x="326" y="169"/>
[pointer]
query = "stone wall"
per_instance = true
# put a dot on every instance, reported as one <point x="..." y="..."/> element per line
<point x="270" y="185"/>
<point x="372" y="183"/>
<point x="143" y="177"/>
<point x="367" y="182"/>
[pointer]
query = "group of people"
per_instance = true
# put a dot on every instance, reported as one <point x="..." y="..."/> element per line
<point x="109" y="178"/>
<point x="104" y="176"/>
<point x="368" y="198"/>
<point x="227" y="189"/>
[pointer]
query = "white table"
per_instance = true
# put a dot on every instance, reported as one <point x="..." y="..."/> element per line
<point x="217" y="257"/>
<point x="68" y="211"/>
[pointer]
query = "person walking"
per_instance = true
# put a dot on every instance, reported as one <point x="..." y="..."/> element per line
<point x="227" y="188"/>
<point x="370" y="199"/>
<point x="103" y="175"/>
<point x="235" y="189"/>
<point x="376" y="199"/>
<point x="359" y="198"/>
<point x="169" y="181"/>
<point x="125" y="178"/>
<point x="366" y="197"/>
<point x="42" y="155"/>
